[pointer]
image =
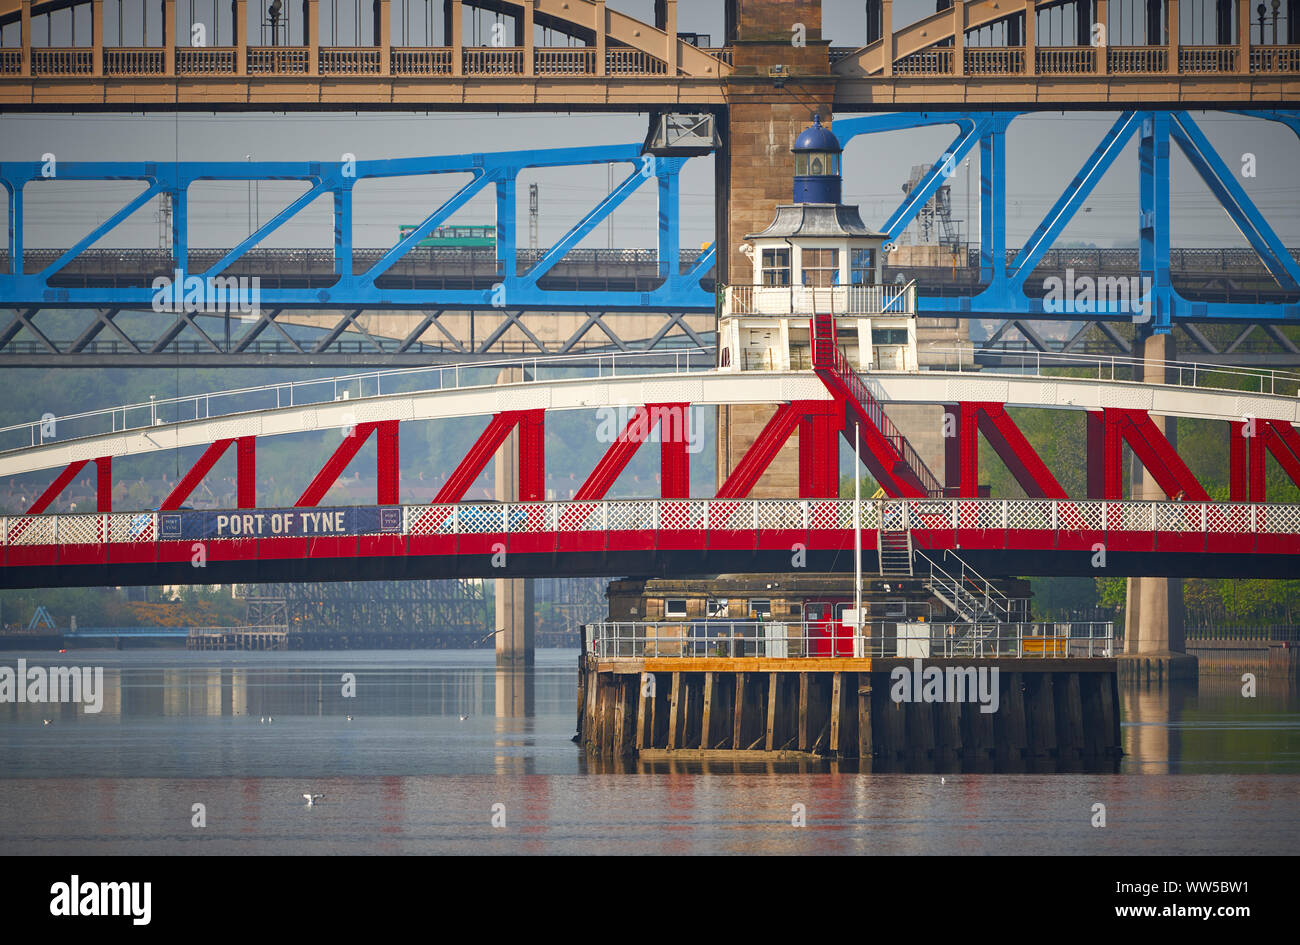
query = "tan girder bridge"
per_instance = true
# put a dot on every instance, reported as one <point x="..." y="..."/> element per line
<point x="626" y="64"/>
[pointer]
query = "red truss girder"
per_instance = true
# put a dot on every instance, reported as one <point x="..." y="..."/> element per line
<point x="961" y="452"/>
<point x="673" y="421"/>
<point x="386" y="463"/>
<point x="245" y="469"/>
<point x="819" y="423"/>
<point x="1108" y="430"/>
<point x="1249" y="442"/>
<point x="532" y="456"/>
<point x="103" y="485"/>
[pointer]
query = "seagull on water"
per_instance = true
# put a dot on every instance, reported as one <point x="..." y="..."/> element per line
<point x="312" y="798"/>
<point x="464" y="716"/>
<point x="47" y="721"/>
<point x="349" y="718"/>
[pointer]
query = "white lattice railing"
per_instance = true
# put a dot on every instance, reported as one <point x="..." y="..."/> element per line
<point x="703" y="515"/>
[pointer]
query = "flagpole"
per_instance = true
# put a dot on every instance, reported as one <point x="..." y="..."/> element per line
<point x="857" y="536"/>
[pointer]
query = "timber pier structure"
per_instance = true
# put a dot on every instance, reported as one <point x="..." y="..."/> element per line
<point x="1011" y="698"/>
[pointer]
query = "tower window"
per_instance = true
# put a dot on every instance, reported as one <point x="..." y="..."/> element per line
<point x="816" y="164"/>
<point x="862" y="266"/>
<point x="821" y="267"/>
<point x="776" y="267"/>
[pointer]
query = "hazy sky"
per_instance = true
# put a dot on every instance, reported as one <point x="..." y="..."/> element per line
<point x="1044" y="152"/>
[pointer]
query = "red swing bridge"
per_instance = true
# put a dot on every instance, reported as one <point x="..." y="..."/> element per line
<point x="442" y="536"/>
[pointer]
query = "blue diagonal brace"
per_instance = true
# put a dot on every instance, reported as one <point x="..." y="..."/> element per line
<point x="1102" y="157"/>
<point x="267" y="228"/>
<point x="846" y="129"/>
<point x="585" y="226"/>
<point x="461" y="197"/>
<point x="691" y="278"/>
<point x="1223" y="184"/>
<point x="939" y="171"/>
<point x="130" y="208"/>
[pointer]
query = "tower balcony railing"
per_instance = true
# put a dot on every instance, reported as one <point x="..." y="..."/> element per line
<point x="810" y="300"/>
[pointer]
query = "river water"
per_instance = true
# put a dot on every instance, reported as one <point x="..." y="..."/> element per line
<point x="245" y="735"/>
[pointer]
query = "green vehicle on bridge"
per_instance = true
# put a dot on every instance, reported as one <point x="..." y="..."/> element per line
<point x="456" y="237"/>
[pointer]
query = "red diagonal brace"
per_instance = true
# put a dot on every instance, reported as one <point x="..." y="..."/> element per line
<point x="1014" y="450"/>
<point x="103" y="485"/>
<point x="1158" y="456"/>
<point x="1108" y="430"/>
<point x="245" y="452"/>
<point x="57" y="486"/>
<point x="387" y="491"/>
<point x="532" y="472"/>
<point x="621" y="451"/>
<point x="1281" y="439"/>
<point x="761" y="452"/>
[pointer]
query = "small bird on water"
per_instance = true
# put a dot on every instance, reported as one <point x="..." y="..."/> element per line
<point x="47" y="721"/>
<point x="312" y="798"/>
<point x="464" y="717"/>
<point x="349" y="718"/>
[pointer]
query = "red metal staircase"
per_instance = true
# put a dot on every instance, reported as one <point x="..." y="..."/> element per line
<point x="892" y="460"/>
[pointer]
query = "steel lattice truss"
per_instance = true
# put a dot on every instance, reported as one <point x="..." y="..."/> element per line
<point x="1002" y="291"/>
<point x="357" y="285"/>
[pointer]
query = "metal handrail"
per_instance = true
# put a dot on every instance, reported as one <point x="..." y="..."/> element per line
<point x="444" y="377"/>
<point x="1036" y="361"/>
<point x="826" y="354"/>
<point x="994" y="599"/>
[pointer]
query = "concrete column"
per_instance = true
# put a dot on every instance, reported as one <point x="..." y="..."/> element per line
<point x="169" y="37"/>
<point x="27" y="45"/>
<point x="887" y="34"/>
<point x="1031" y="39"/>
<point x="670" y="51"/>
<point x="958" y="37"/>
<point x="313" y="37"/>
<point x="601" y="26"/>
<point x="1159" y="601"/>
<point x="241" y="37"/>
<point x="1171" y="37"/>
<point x="514" y="596"/>
<point x="526" y="40"/>
<point x="97" y="37"/>
<point x="1243" y="37"/>
<point x="385" y="38"/>
<point x="1103" y="17"/>
<point x="455" y="40"/>
<point x="757" y="173"/>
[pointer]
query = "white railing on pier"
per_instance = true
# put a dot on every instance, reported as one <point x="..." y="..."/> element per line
<point x="774" y="639"/>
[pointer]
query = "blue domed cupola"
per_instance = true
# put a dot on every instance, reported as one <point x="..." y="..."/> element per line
<point x="817" y="165"/>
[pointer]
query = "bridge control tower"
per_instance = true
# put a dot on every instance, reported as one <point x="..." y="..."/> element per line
<point x="816" y="257"/>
